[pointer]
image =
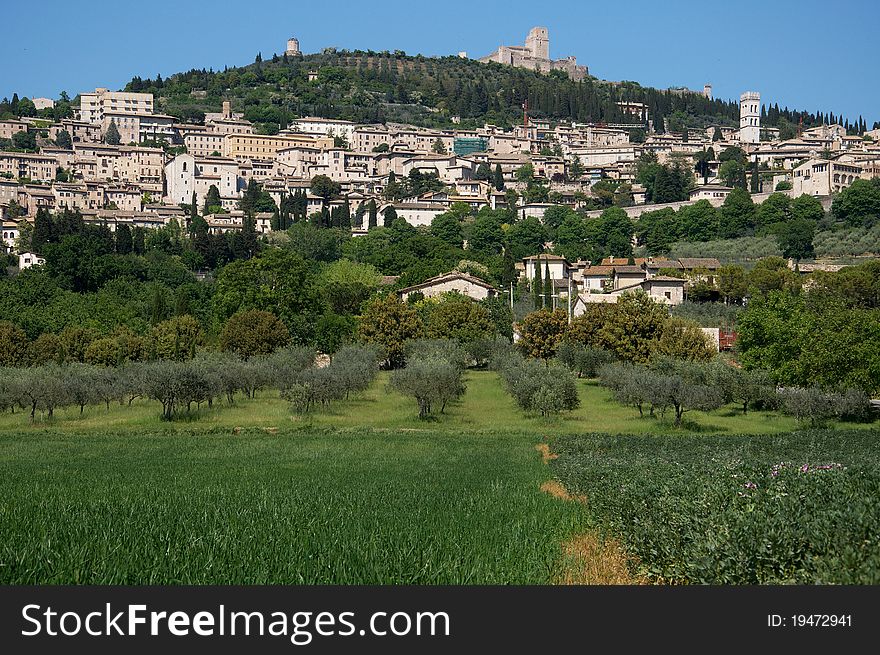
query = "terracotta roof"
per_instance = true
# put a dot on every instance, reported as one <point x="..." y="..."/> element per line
<point x="628" y="269"/>
<point x="665" y="278"/>
<point x="593" y="271"/>
<point x="663" y="263"/>
<point x="452" y="275"/>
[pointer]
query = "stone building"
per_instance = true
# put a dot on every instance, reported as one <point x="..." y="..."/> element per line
<point x="750" y="117"/>
<point x="93" y="105"/>
<point x="452" y="282"/>
<point x="535" y="54"/>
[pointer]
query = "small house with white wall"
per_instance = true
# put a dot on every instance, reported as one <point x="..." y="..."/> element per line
<point x="452" y="282"/>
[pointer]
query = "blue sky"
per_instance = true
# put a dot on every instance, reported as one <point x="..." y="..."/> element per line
<point x="807" y="55"/>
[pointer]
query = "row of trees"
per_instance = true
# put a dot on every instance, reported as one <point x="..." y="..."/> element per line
<point x="682" y="386"/>
<point x="390" y="324"/>
<point x="824" y="335"/>
<point x="182" y="387"/>
<point x="245" y="334"/>
<point x="792" y="221"/>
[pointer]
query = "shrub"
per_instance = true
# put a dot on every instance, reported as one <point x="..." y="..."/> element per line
<point x="809" y="404"/>
<point x="39" y="387"/>
<point x="389" y="323"/>
<point x="178" y="338"/>
<point x="285" y="364"/>
<point x="177" y="385"/>
<point x="583" y="360"/>
<point x="253" y="332"/>
<point x="541" y="332"/>
<point x="684" y="340"/>
<point x="481" y="351"/>
<point x="432" y="382"/>
<point x="683" y="386"/>
<point x="535" y="387"/>
<point x="445" y="349"/>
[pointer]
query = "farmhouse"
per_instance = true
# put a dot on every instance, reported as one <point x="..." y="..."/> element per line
<point x="454" y="281"/>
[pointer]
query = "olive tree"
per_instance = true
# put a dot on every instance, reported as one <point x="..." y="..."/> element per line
<point x="583" y="360"/>
<point x="433" y="382"/>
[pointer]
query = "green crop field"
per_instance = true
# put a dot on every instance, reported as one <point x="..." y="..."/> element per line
<point x="362" y="493"/>
<point x="799" y="508"/>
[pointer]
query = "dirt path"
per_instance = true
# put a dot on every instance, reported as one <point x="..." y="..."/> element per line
<point x="587" y="559"/>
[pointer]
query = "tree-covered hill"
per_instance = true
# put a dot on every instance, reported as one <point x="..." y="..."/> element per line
<point x="378" y="87"/>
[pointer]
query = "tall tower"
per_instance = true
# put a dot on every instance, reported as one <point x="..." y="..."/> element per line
<point x="538" y="43"/>
<point x="293" y="47"/>
<point x="750" y="117"/>
<point x="707" y="91"/>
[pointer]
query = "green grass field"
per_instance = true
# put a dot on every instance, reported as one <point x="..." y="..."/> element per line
<point x="485" y="407"/>
<point x="362" y="493"/>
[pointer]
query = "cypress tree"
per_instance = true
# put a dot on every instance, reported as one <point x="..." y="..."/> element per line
<point x="137" y="241"/>
<point x="498" y="178"/>
<point x="756" y="178"/>
<point x="537" y="286"/>
<point x="158" y="310"/>
<point x="123" y="239"/>
<point x="193" y="209"/>
<point x="345" y="215"/>
<point x="112" y="137"/>
<point x="508" y="268"/>
<point x="372" y="214"/>
<point x="359" y="215"/>
<point x="44" y="230"/>
<point x="389" y="215"/>
<point x="249" y="237"/>
<point x="548" y="286"/>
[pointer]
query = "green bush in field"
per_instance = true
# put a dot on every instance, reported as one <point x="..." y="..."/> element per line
<point x="815" y="406"/>
<point x="433" y="382"/>
<point x="680" y="385"/>
<point x="352" y="370"/>
<point x="798" y="508"/>
<point x="585" y="361"/>
<point x="546" y="389"/>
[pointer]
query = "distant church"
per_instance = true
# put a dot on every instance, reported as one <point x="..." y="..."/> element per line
<point x="535" y="55"/>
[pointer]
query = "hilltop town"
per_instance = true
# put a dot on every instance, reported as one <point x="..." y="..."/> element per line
<point x="358" y="317"/>
<point x="118" y="161"/>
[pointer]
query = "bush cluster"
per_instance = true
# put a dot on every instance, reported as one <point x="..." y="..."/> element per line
<point x="182" y="386"/>
<point x="815" y="406"/>
<point x="351" y="370"/>
<point x="544" y="389"/>
<point x="433" y="375"/>
<point x="682" y="386"/>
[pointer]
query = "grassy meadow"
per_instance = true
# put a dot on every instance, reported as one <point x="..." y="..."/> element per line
<point x="361" y="493"/>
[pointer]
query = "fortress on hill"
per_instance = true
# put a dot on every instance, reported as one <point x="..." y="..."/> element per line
<point x="535" y="55"/>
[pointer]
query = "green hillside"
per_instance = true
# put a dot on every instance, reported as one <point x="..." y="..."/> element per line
<point x="377" y="87"/>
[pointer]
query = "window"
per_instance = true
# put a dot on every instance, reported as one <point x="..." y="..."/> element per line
<point x="668" y="295"/>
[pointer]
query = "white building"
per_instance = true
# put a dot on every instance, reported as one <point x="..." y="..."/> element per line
<point x="324" y="127"/>
<point x="93" y="105"/>
<point x="750" y="117"/>
<point x="558" y="266"/>
<point x="28" y="259"/>
<point x="822" y="177"/>
<point x="453" y="282"/>
<point x="186" y="174"/>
